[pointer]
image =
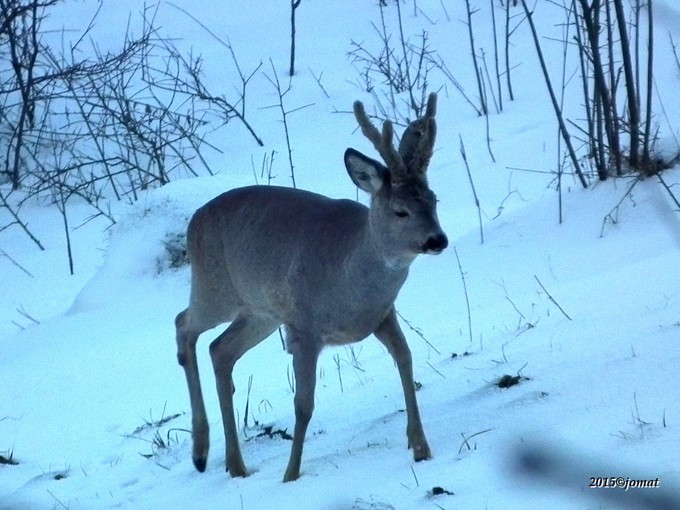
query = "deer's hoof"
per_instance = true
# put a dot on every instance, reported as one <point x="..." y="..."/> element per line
<point x="200" y="463"/>
<point x="290" y="477"/>
<point x="421" y="452"/>
<point x="237" y="470"/>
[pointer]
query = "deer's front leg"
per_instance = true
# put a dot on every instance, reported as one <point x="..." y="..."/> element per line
<point x="305" y="351"/>
<point x="391" y="335"/>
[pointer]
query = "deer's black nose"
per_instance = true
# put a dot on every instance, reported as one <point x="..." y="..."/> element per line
<point x="436" y="244"/>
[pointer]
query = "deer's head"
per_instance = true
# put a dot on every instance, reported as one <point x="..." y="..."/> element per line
<point x="403" y="214"/>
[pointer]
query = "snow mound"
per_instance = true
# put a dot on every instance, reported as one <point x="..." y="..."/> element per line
<point x="149" y="239"/>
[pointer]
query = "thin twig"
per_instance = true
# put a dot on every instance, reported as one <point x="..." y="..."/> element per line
<point x="552" y="298"/>
<point x="4" y="204"/>
<point x="615" y="209"/>
<point x="472" y="185"/>
<point x="558" y="111"/>
<point x="294" y="4"/>
<point x="417" y="331"/>
<point x="668" y="189"/>
<point x="467" y="438"/>
<point x="23" y="312"/>
<point x="508" y="33"/>
<point x="336" y="359"/>
<point x="284" y="116"/>
<point x="465" y="291"/>
<point x="437" y="371"/>
<point x="480" y="87"/>
<point x="496" y="57"/>
<point x="245" y="413"/>
<point x="650" y="79"/>
<point x="5" y="254"/>
<point x="415" y="477"/>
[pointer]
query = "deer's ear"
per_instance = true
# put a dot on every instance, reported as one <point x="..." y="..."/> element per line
<point x="368" y="174"/>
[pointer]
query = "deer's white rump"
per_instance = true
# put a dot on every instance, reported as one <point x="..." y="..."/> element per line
<point x="328" y="270"/>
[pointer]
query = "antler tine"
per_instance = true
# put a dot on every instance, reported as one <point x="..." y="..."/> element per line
<point x="383" y="143"/>
<point x="431" y="109"/>
<point x="427" y="142"/>
<point x="427" y="145"/>
<point x="417" y="143"/>
<point x="430" y="112"/>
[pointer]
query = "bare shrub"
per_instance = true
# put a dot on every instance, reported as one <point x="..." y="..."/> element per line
<point x="100" y="127"/>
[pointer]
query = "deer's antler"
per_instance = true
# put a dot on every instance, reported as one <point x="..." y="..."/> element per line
<point x="383" y="143"/>
<point x="417" y="143"/>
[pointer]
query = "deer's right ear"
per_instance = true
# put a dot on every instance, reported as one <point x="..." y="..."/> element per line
<point x="368" y="174"/>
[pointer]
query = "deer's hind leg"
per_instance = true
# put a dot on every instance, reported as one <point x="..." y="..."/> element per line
<point x="245" y="332"/>
<point x="187" y="337"/>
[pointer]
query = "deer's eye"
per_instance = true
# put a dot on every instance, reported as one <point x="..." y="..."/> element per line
<point x="401" y="213"/>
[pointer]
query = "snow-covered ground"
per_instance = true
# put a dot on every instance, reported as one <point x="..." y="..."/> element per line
<point x="94" y="408"/>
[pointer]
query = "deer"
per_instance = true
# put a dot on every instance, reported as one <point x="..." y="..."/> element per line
<point x="327" y="270"/>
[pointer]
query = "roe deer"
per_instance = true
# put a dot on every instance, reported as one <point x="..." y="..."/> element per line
<point x="328" y="270"/>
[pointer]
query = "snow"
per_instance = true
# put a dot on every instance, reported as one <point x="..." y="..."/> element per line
<point x="83" y="390"/>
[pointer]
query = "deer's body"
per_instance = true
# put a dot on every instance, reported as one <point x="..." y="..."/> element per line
<point x="328" y="270"/>
<point x="279" y="250"/>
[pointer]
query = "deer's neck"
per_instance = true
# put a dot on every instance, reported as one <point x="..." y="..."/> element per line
<point x="375" y="267"/>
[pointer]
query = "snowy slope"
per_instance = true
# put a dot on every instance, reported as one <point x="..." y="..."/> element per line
<point x="85" y="393"/>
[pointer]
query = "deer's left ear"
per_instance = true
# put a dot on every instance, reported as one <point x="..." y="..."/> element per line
<point x="368" y="174"/>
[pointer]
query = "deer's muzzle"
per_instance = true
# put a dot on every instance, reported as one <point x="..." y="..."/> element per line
<point x="436" y="244"/>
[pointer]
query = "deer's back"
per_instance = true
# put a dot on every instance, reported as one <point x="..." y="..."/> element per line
<point x="258" y="219"/>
